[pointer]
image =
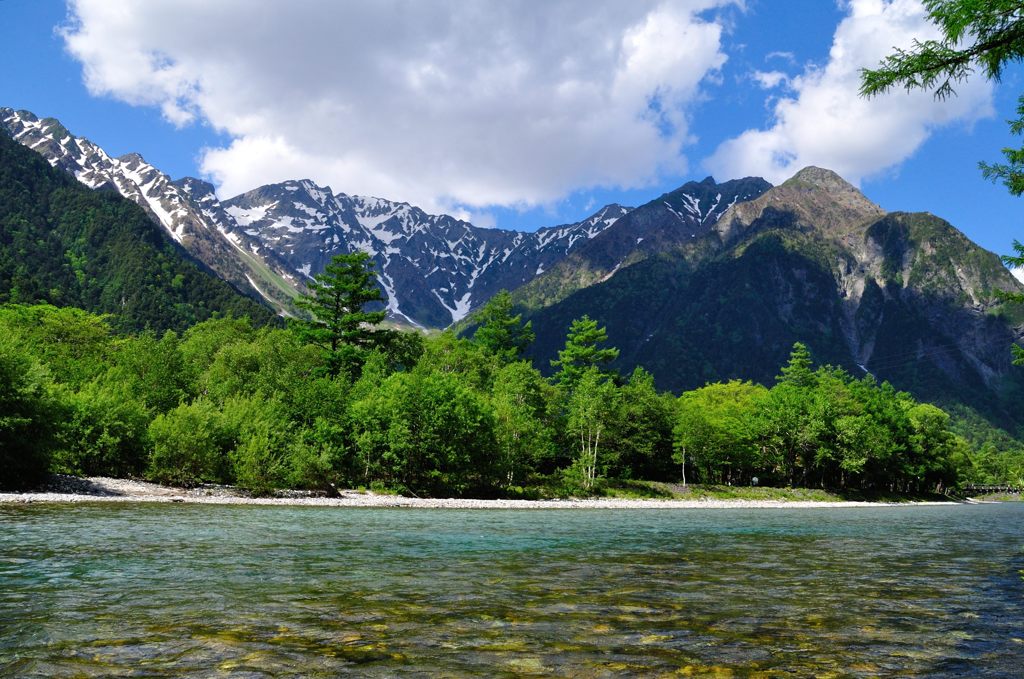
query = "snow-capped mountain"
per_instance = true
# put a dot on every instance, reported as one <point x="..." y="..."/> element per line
<point x="433" y="268"/>
<point x="187" y="209"/>
<point x="665" y="224"/>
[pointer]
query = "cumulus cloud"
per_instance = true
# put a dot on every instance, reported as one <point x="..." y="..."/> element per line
<point x="826" y="123"/>
<point x="445" y="103"/>
<point x="769" y="80"/>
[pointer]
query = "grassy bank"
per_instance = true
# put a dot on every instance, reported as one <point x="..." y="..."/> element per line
<point x="674" y="491"/>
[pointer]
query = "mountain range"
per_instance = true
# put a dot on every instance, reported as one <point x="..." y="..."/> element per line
<point x="707" y="282"/>
<point x="433" y="269"/>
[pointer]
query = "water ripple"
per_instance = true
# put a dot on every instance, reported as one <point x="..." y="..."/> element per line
<point x="115" y="590"/>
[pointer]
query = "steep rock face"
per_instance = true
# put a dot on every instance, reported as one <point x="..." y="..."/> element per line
<point x="679" y="219"/>
<point x="229" y="252"/>
<point x="433" y="268"/>
<point x="903" y="296"/>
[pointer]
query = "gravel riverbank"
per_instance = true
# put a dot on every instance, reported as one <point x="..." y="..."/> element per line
<point x="65" y="489"/>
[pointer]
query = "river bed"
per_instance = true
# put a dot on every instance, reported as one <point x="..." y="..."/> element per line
<point x="266" y="591"/>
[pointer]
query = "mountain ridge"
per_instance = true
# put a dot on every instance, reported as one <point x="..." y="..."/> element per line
<point x="225" y="250"/>
<point x="433" y="269"/>
<point x="904" y="296"/>
<point x="65" y="244"/>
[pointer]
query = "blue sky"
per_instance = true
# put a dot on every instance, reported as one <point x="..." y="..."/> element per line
<point x="437" y="136"/>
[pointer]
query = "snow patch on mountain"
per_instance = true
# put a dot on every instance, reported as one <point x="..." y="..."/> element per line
<point x="187" y="209"/>
<point x="245" y="217"/>
<point x="433" y="270"/>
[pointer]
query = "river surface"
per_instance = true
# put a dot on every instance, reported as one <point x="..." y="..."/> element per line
<point x="243" y="591"/>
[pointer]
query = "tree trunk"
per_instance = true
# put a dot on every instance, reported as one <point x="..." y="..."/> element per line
<point x="683" y="465"/>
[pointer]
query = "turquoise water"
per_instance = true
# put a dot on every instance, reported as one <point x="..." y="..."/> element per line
<point x="171" y="590"/>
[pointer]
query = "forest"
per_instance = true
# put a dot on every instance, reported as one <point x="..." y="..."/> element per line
<point x="338" y="401"/>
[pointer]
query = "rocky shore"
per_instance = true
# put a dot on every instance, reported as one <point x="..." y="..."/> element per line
<point x="67" y="489"/>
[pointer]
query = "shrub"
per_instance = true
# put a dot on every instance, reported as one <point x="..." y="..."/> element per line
<point x="29" y="416"/>
<point x="189" y="445"/>
<point x="105" y="434"/>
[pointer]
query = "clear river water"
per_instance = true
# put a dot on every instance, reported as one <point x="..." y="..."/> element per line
<point x="244" y="591"/>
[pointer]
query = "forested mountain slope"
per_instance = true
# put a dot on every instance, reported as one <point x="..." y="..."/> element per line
<point x="903" y="296"/>
<point x="66" y="244"/>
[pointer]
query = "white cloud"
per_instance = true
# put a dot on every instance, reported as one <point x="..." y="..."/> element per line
<point x="1018" y="273"/>
<point x="512" y="103"/>
<point x="769" y="80"/>
<point x="826" y="122"/>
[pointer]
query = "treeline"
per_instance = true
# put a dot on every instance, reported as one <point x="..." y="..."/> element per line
<point x="337" y="402"/>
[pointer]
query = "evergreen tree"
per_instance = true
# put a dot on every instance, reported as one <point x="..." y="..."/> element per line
<point x="500" y="333"/>
<point x="582" y="353"/>
<point x="340" y="325"/>
<point x="798" y="371"/>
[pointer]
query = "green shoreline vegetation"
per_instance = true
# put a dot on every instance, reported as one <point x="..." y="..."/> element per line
<point x="336" y="401"/>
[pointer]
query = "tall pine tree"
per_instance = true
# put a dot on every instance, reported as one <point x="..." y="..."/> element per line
<point x="340" y="325"/>
<point x="501" y="333"/>
<point x="582" y="352"/>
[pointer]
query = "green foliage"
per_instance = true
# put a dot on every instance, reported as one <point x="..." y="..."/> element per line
<point x="524" y="434"/>
<point x="1016" y="261"/>
<point x="65" y="244"/>
<point x="259" y="432"/>
<point x="797" y="372"/>
<point x="152" y="370"/>
<point x="105" y="433"/>
<point x="716" y="434"/>
<point x="453" y="355"/>
<point x="426" y="433"/>
<point x="340" y="326"/>
<point x="228" y="403"/>
<point x="28" y="415"/>
<point x="201" y="343"/>
<point x="640" y="431"/>
<point x="72" y="344"/>
<point x="500" y="333"/>
<point x="189" y="445"/>
<point x="320" y="455"/>
<point x="816" y="428"/>
<point x="590" y="406"/>
<point x="582" y="353"/>
<point x="985" y="34"/>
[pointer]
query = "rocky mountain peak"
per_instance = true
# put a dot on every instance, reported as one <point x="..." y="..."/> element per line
<point x="197" y="188"/>
<point x="815" y="198"/>
<point x="820" y="177"/>
<point x="836" y="189"/>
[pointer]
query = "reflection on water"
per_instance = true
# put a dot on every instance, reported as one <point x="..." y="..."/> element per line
<point x="161" y="590"/>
